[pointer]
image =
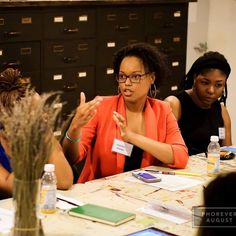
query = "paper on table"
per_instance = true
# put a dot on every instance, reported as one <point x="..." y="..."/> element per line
<point x="6" y="220"/>
<point x="162" y="214"/>
<point x="173" y="209"/>
<point x="174" y="213"/>
<point x="170" y="182"/>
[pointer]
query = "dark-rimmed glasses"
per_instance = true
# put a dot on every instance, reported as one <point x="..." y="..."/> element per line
<point x="134" y="78"/>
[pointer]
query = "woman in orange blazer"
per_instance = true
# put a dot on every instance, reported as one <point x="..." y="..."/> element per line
<point x="130" y="130"/>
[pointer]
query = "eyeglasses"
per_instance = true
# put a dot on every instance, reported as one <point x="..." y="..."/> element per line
<point x="134" y="78"/>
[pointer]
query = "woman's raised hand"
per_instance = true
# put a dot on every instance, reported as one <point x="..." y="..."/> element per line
<point x="85" y="111"/>
<point x="121" y="123"/>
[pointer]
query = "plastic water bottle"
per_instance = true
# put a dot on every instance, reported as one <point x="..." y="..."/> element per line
<point x="48" y="190"/>
<point x="213" y="156"/>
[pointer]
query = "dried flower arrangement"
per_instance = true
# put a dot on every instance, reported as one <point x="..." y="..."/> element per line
<point x="28" y="127"/>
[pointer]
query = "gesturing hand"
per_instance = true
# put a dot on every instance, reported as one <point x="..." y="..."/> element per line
<point x="85" y="111"/>
<point x="121" y="123"/>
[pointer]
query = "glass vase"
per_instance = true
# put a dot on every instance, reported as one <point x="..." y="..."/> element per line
<point x="26" y="205"/>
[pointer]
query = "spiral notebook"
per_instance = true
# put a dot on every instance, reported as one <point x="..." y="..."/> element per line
<point x="101" y="214"/>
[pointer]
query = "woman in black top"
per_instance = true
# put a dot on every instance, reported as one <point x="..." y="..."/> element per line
<point x="200" y="105"/>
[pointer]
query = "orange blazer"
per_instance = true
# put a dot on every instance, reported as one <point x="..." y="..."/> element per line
<point x="99" y="134"/>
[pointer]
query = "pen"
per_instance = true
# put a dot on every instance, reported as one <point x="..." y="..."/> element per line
<point x="162" y="172"/>
<point x="71" y="203"/>
<point x="174" y="173"/>
<point x="187" y="173"/>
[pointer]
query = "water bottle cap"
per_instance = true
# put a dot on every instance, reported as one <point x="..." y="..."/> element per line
<point x="214" y="138"/>
<point x="49" y="167"/>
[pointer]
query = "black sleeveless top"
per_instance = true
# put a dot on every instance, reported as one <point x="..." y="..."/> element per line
<point x="197" y="124"/>
<point x="133" y="161"/>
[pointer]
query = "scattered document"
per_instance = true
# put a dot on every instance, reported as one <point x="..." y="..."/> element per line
<point x="6" y="220"/>
<point x="163" y="215"/>
<point x="176" y="214"/>
<point x="170" y="182"/>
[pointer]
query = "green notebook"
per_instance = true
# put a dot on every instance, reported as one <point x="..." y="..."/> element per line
<point x="101" y="214"/>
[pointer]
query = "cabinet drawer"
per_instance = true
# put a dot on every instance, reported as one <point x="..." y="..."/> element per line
<point x="169" y="43"/>
<point x="120" y="21"/>
<point x="169" y="18"/>
<point x="108" y="46"/>
<point x="64" y="54"/>
<point x="24" y="55"/>
<point x="33" y="77"/>
<point x="20" y="26"/>
<point x="177" y="67"/>
<point x="71" y="82"/>
<point x="69" y="24"/>
<point x="167" y="90"/>
<point x="105" y="81"/>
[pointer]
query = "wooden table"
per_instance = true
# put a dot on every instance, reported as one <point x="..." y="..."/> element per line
<point x="116" y="192"/>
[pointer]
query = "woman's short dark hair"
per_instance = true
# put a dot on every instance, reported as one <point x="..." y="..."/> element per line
<point x="153" y="60"/>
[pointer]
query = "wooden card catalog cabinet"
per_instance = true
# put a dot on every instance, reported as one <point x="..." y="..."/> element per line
<point x="69" y="46"/>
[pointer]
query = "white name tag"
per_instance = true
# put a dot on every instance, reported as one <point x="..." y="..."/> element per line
<point x="221" y="133"/>
<point x="122" y="147"/>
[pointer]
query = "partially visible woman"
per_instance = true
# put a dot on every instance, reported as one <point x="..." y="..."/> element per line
<point x="12" y="90"/>
<point x="219" y="200"/>
<point x="200" y="106"/>
<point x="131" y="130"/>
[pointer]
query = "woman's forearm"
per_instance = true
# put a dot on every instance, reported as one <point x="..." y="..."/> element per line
<point x="62" y="168"/>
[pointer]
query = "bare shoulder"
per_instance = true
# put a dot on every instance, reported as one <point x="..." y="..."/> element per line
<point x="227" y="124"/>
<point x="225" y="113"/>
<point x="175" y="105"/>
<point x="172" y="100"/>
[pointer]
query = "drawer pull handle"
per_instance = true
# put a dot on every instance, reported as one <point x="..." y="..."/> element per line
<point x="11" y="64"/>
<point x="122" y="28"/>
<point x="169" y="25"/>
<point x="70" y="59"/>
<point x="12" y="33"/>
<point x="168" y="50"/>
<point x="70" y="87"/>
<point x="71" y="31"/>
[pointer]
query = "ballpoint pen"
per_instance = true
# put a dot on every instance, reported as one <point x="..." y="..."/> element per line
<point x="69" y="202"/>
<point x="174" y="173"/>
<point x="161" y="172"/>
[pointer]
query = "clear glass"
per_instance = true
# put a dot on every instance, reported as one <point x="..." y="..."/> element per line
<point x="26" y="208"/>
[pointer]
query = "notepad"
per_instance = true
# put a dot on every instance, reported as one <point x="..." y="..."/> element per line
<point x="102" y="214"/>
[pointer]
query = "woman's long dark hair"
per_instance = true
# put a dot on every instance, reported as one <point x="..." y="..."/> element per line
<point x="209" y="60"/>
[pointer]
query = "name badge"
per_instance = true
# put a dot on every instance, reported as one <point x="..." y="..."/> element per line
<point x="221" y="133"/>
<point x="122" y="147"/>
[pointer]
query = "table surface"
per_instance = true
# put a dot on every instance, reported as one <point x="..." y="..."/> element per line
<point x="116" y="192"/>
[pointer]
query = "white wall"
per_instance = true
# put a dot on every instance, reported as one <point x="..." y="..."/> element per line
<point x="197" y="29"/>
<point x="214" y="22"/>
